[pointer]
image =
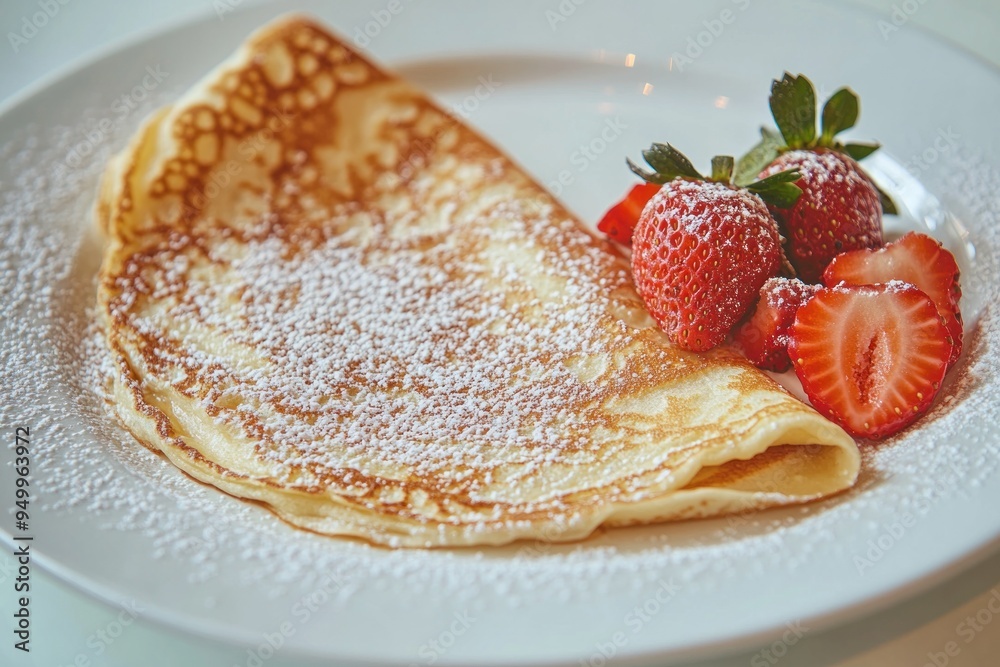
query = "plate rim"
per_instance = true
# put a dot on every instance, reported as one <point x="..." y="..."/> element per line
<point x="95" y="590"/>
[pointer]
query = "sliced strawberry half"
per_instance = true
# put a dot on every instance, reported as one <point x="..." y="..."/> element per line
<point x="764" y="336"/>
<point x="915" y="258"/>
<point x="619" y="222"/>
<point x="871" y="357"/>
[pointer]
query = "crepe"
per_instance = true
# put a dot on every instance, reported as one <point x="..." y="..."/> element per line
<point x="323" y="292"/>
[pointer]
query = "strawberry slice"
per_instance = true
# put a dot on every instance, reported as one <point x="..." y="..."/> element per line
<point x="620" y="220"/>
<point x="764" y="336"/>
<point x="871" y="357"/>
<point x="915" y="258"/>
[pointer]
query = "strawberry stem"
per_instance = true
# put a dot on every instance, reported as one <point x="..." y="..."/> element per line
<point x="668" y="163"/>
<point x="722" y="168"/>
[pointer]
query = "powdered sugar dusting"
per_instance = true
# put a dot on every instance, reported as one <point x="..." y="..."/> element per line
<point x="738" y="206"/>
<point x="86" y="467"/>
<point x="338" y="326"/>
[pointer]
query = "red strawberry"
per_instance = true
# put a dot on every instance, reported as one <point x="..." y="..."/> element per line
<point x="764" y="336"/>
<point x="870" y="357"/>
<point x="702" y="249"/>
<point x="700" y="254"/>
<point x="840" y="208"/>
<point x="916" y="259"/>
<point x="620" y="219"/>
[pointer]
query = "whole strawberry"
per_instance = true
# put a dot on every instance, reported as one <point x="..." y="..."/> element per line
<point x="840" y="208"/>
<point x="703" y="248"/>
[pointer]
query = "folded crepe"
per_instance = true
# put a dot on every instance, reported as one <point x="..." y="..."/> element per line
<point x="323" y="292"/>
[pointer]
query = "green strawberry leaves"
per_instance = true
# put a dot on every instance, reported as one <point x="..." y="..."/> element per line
<point x="793" y="105"/>
<point x="888" y="206"/>
<point x="839" y="113"/>
<point x="761" y="155"/>
<point x="860" y="151"/>
<point x="668" y="163"/>
<point x="778" y="189"/>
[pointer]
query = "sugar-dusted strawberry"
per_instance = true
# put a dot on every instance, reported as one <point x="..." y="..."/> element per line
<point x="870" y="357"/>
<point x="703" y="248"/>
<point x="620" y="219"/>
<point x="839" y="210"/>
<point x="841" y="207"/>
<point x="914" y="258"/>
<point x="764" y="336"/>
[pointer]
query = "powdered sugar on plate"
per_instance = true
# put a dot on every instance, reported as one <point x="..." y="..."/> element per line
<point x="88" y="468"/>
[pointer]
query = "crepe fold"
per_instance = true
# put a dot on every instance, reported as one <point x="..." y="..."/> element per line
<point x="323" y="292"/>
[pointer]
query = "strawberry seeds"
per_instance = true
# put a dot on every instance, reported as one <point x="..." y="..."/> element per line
<point x="730" y="257"/>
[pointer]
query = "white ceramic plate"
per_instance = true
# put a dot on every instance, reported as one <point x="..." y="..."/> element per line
<point x="568" y="89"/>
